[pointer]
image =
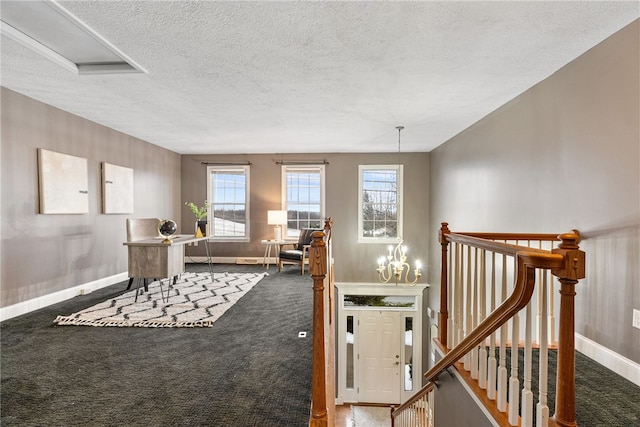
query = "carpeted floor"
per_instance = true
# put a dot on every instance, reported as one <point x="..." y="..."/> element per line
<point x="249" y="369"/>
<point x="603" y="398"/>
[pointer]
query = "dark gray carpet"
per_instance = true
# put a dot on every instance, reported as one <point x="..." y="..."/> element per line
<point x="249" y="369"/>
<point x="603" y="398"/>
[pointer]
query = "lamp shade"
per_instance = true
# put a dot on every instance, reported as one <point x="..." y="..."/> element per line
<point x="276" y="217"/>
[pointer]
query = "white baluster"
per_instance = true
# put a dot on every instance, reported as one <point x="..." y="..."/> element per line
<point x="474" y="314"/>
<point x="527" y="395"/>
<point x="451" y="296"/>
<point x="492" y="362"/>
<point x="542" y="410"/>
<point x="504" y="333"/>
<point x="459" y="299"/>
<point x="514" y="382"/>
<point x="467" y="308"/>
<point x="553" y="327"/>
<point x="482" y="356"/>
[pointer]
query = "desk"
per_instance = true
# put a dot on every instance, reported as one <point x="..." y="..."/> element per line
<point x="267" y="250"/>
<point x="153" y="258"/>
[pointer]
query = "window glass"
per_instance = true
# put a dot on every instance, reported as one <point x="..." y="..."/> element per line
<point x="350" y="356"/>
<point x="408" y="354"/>
<point x="351" y="301"/>
<point x="379" y="201"/>
<point x="228" y="190"/>
<point x="303" y="196"/>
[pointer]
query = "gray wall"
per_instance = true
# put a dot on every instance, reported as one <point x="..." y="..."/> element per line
<point x="563" y="155"/>
<point x="42" y="254"/>
<point x="353" y="261"/>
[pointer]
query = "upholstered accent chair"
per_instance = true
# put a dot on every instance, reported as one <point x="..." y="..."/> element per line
<point x="141" y="229"/>
<point x="297" y="253"/>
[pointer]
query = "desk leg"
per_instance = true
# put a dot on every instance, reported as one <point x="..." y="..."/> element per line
<point x="268" y="254"/>
<point x="264" y="257"/>
<point x="209" y="261"/>
<point x="162" y="292"/>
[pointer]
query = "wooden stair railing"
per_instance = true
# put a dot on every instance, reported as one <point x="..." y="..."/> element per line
<point x="566" y="262"/>
<point x="322" y="386"/>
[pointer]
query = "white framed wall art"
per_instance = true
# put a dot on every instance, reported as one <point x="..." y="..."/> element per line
<point x="63" y="183"/>
<point x="117" y="189"/>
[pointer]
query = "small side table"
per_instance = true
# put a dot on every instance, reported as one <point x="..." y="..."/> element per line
<point x="267" y="251"/>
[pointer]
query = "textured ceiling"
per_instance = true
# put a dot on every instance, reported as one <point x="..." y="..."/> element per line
<point x="291" y="77"/>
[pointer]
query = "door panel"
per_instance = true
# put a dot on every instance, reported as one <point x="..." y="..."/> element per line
<point x="379" y="357"/>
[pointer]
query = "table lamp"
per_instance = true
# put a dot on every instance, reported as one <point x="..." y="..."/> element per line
<point x="277" y="219"/>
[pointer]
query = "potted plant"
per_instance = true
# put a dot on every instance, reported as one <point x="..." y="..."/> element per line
<point x="200" y="213"/>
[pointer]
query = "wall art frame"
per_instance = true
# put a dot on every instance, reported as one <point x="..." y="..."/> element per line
<point x="63" y="183"/>
<point x="117" y="189"/>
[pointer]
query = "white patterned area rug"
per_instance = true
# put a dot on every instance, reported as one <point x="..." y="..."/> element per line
<point x="194" y="301"/>
<point x="371" y="416"/>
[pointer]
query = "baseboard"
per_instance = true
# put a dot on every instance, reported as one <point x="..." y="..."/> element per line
<point x="609" y="359"/>
<point x="56" y="297"/>
<point x="248" y="260"/>
<point x="229" y="260"/>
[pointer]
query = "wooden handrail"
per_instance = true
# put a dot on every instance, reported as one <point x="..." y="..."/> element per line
<point x="527" y="262"/>
<point x="490" y="245"/>
<point x="413" y="399"/>
<point x="545" y="237"/>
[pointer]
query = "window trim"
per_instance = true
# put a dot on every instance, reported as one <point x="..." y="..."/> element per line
<point x="230" y="168"/>
<point x="283" y="186"/>
<point x="400" y="203"/>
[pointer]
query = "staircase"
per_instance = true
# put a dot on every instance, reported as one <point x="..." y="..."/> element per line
<point x="496" y="294"/>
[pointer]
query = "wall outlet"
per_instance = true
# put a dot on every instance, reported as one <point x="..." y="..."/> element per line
<point x="636" y="319"/>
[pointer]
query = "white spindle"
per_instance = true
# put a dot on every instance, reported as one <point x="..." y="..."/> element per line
<point x="467" y="308"/>
<point x="553" y="327"/>
<point x="542" y="410"/>
<point x="460" y="298"/>
<point x="450" y="295"/>
<point x="514" y="381"/>
<point x="482" y="355"/>
<point x="527" y="395"/>
<point x="474" y="314"/>
<point x="504" y="333"/>
<point x="492" y="362"/>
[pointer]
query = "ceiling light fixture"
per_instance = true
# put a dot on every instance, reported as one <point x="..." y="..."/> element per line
<point x="50" y="30"/>
<point x="394" y="265"/>
<point x="399" y="130"/>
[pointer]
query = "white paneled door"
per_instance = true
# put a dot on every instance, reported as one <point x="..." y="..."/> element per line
<point x="379" y="357"/>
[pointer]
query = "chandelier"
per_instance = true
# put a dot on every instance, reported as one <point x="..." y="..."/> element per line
<point x="394" y="266"/>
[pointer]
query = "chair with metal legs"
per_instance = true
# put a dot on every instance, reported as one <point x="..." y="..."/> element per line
<point x="141" y="229"/>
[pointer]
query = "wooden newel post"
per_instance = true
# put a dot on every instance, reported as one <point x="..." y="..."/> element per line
<point x="568" y="276"/>
<point x="318" y="270"/>
<point x="443" y="315"/>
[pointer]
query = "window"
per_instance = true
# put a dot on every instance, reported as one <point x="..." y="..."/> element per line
<point x="228" y="190"/>
<point x="408" y="354"/>
<point x="350" y="352"/>
<point x="380" y="203"/>
<point x="303" y="198"/>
